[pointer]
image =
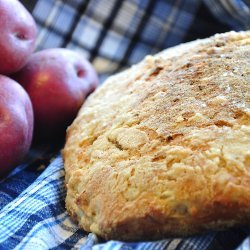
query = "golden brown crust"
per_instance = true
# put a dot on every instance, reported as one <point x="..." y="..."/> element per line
<point x="163" y="149"/>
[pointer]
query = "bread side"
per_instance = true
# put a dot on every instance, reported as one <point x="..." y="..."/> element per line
<point x="163" y="148"/>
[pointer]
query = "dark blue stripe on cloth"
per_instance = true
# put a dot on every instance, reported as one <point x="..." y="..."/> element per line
<point x="136" y="37"/>
<point x="228" y="240"/>
<point x="69" y="35"/>
<point x="106" y="26"/>
<point x="72" y="240"/>
<point x="22" y="176"/>
<point x="50" y="211"/>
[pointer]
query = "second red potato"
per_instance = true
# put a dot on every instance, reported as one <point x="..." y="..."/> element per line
<point x="57" y="81"/>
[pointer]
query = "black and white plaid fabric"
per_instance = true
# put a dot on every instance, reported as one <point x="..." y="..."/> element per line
<point x="112" y="34"/>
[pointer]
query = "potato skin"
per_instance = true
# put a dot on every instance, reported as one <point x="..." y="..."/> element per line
<point x="57" y="81"/>
<point x="18" y="35"/>
<point x="16" y="124"/>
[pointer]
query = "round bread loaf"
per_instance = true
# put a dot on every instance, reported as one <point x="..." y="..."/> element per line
<point x="163" y="148"/>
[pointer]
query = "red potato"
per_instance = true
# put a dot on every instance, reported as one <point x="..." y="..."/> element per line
<point x="57" y="81"/>
<point x="16" y="124"/>
<point x="18" y="33"/>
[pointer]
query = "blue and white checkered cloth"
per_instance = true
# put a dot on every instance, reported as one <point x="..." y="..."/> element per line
<point x="112" y="34"/>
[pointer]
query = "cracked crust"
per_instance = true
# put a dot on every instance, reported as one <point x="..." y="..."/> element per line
<point x="163" y="149"/>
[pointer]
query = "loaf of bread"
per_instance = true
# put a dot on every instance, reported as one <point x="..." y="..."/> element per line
<point x="163" y="148"/>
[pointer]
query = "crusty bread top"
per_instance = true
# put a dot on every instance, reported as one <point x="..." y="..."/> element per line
<point x="163" y="148"/>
